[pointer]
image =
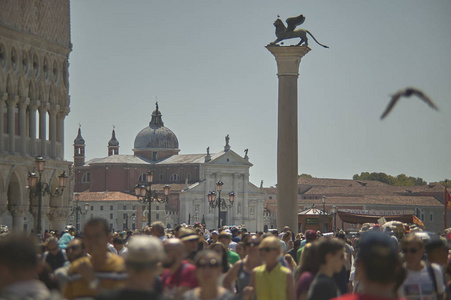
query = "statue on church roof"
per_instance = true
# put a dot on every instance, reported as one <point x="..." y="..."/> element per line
<point x="156" y="106"/>
<point x="227" y="146"/>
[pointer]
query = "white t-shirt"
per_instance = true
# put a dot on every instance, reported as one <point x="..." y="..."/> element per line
<point x="420" y="286"/>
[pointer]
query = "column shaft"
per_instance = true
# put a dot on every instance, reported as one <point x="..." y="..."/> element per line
<point x="23" y="124"/>
<point x="2" y="112"/>
<point x="288" y="60"/>
<point x="42" y="127"/>
<point x="12" y="102"/>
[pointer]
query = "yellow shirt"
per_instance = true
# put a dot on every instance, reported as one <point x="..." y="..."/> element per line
<point x="111" y="275"/>
<point x="271" y="285"/>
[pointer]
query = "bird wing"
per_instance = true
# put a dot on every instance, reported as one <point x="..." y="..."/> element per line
<point x="425" y="98"/>
<point x="392" y="103"/>
<point x="294" y="21"/>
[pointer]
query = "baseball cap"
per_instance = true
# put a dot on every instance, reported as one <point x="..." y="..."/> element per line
<point x="373" y="238"/>
<point x="144" y="249"/>
<point x="435" y="243"/>
<point x="311" y="235"/>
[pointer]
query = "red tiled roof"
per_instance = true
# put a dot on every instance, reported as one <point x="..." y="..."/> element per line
<point x="391" y="200"/>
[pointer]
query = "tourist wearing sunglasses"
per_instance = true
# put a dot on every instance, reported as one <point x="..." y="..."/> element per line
<point x="242" y="269"/>
<point x="271" y="281"/>
<point x="208" y="268"/>
<point x="424" y="280"/>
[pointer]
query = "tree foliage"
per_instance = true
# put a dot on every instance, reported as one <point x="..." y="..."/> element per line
<point x="303" y="175"/>
<point x="400" y="180"/>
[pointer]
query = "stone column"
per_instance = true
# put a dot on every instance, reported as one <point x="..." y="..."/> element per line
<point x="42" y="127"/>
<point x="2" y="112"/>
<point x="52" y="129"/>
<point x="288" y="59"/>
<point x="245" y="206"/>
<point x="23" y="103"/>
<point x="58" y="217"/>
<point x="12" y="102"/>
<point x="34" y="104"/>
<point x="64" y="111"/>
<point x="18" y="213"/>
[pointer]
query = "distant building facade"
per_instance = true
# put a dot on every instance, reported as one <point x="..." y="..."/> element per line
<point x="365" y="197"/>
<point x="34" y="101"/>
<point x="190" y="176"/>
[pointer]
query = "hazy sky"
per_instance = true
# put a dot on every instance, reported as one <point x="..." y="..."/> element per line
<point x="207" y="64"/>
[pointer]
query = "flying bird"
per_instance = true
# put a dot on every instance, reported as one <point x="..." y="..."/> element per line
<point x="407" y="92"/>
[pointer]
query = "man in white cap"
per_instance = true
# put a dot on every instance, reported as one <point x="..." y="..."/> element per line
<point x="142" y="261"/>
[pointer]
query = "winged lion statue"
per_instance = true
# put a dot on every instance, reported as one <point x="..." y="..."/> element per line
<point x="288" y="32"/>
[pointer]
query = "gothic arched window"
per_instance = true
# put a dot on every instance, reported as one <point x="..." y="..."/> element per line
<point x="86" y="177"/>
<point x="174" y="177"/>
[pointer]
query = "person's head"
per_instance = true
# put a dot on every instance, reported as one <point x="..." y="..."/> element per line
<point x="378" y="260"/>
<point x="75" y="249"/>
<point x="412" y="248"/>
<point x="52" y="246"/>
<point x="97" y="234"/>
<point x="286" y="237"/>
<point x="309" y="259"/>
<point x="286" y="229"/>
<point x="214" y="235"/>
<point x="18" y="259"/>
<point x="208" y="267"/>
<point x="275" y="232"/>
<point x="296" y="244"/>
<point x="235" y="231"/>
<point x="225" y="239"/>
<point x="70" y="229"/>
<point x="290" y="260"/>
<point x="270" y="249"/>
<point x="175" y="253"/>
<point x="118" y="243"/>
<point x="222" y="252"/>
<point x="437" y="251"/>
<point x="145" y="253"/>
<point x="190" y="239"/>
<point x="157" y="229"/>
<point x="251" y="243"/>
<point x="311" y="236"/>
<point x="331" y="253"/>
<point x="240" y="250"/>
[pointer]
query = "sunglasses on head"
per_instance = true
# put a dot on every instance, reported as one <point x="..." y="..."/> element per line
<point x="252" y="244"/>
<point x="411" y="250"/>
<point x="207" y="263"/>
<point x="266" y="249"/>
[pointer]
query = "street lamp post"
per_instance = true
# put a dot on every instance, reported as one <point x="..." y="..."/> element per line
<point x="39" y="188"/>
<point x="334" y="213"/>
<point x="323" y="200"/>
<point x="78" y="210"/>
<point x="145" y="194"/>
<point x="218" y="202"/>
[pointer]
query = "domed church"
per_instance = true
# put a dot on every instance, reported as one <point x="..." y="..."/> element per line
<point x="107" y="184"/>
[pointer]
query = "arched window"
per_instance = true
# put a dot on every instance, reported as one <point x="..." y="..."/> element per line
<point x="174" y="177"/>
<point x="86" y="177"/>
<point x="142" y="177"/>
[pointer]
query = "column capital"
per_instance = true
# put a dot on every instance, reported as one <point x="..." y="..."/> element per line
<point x="288" y="58"/>
<point x="44" y="106"/>
<point x="53" y="109"/>
<point x="12" y="100"/>
<point x="18" y="210"/>
<point x="64" y="111"/>
<point x="58" y="213"/>
<point x="34" y="104"/>
<point x="23" y="103"/>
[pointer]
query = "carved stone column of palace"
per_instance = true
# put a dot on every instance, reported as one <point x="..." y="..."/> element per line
<point x="23" y="103"/>
<point x="42" y="127"/>
<point x="245" y="207"/>
<point x="34" y="104"/>
<point x="2" y="112"/>
<point x="18" y="213"/>
<point x="288" y="59"/>
<point x="58" y="217"/>
<point x="52" y="129"/>
<point x="12" y="102"/>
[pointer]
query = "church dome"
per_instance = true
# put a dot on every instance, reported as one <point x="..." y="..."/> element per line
<point x="156" y="136"/>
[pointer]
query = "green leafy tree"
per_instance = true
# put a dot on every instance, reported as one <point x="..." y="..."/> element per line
<point x="303" y="175"/>
<point x="400" y="180"/>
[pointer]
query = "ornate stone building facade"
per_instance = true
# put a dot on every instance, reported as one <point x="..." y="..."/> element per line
<point x="190" y="176"/>
<point x="34" y="101"/>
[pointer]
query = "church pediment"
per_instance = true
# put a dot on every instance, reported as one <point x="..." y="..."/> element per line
<point x="228" y="158"/>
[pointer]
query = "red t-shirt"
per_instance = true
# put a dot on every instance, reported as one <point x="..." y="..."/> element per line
<point x="184" y="276"/>
<point x="365" y="297"/>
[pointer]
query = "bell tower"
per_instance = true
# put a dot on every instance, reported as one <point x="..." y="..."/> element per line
<point x="113" y="144"/>
<point x="79" y="149"/>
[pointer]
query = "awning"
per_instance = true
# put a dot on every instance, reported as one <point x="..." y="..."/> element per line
<point x="360" y="219"/>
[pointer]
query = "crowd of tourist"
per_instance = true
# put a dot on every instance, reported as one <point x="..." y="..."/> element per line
<point x="191" y="262"/>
